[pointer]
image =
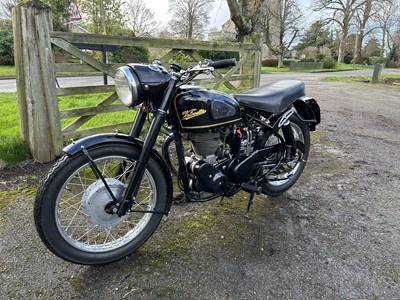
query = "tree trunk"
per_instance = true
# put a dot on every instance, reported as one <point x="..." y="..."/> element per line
<point x="357" y="49"/>
<point x="360" y="37"/>
<point x="245" y="15"/>
<point x="280" y="60"/>
<point x="342" y="42"/>
<point x="383" y="40"/>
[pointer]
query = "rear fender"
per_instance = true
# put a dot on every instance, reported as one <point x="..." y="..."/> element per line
<point x="308" y="111"/>
<point x="110" y="138"/>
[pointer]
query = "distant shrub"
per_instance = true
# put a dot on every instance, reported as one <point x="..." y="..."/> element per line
<point x="393" y="64"/>
<point x="320" y="57"/>
<point x="348" y="59"/>
<point x="270" y="62"/>
<point x="286" y="62"/>
<point x="307" y="59"/>
<point x="129" y="54"/>
<point x="377" y="60"/>
<point x="6" y="47"/>
<point x="181" y="58"/>
<point x="218" y="55"/>
<point x="329" y="63"/>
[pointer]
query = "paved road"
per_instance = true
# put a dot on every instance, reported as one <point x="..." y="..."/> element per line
<point x="9" y="85"/>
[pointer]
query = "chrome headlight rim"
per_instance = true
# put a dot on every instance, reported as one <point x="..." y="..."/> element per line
<point x="126" y="86"/>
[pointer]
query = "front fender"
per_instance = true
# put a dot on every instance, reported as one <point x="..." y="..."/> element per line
<point x="115" y="138"/>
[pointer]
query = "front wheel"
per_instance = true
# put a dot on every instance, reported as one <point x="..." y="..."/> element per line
<point x="288" y="173"/>
<point x="70" y="213"/>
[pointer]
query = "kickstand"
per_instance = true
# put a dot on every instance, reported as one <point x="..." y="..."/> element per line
<point x="249" y="204"/>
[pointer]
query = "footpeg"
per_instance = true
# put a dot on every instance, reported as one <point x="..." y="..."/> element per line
<point x="250" y="188"/>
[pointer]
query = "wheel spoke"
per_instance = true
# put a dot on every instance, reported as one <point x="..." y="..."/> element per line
<point x="82" y="218"/>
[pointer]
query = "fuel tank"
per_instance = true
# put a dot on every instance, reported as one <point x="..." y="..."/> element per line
<point x="200" y="109"/>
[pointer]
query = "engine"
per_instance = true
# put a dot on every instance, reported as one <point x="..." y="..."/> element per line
<point x="209" y="148"/>
<point x="209" y="120"/>
<point x="205" y="145"/>
<point x="205" y="177"/>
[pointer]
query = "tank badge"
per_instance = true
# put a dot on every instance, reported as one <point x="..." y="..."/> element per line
<point x="192" y="113"/>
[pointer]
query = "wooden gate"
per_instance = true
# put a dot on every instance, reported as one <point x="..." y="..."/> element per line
<point x="36" y="74"/>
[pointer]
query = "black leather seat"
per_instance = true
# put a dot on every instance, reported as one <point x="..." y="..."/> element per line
<point x="274" y="97"/>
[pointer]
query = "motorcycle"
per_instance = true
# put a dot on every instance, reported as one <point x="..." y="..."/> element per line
<point x="107" y="195"/>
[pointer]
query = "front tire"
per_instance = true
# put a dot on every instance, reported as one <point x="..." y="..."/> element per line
<point x="70" y="212"/>
<point x="272" y="186"/>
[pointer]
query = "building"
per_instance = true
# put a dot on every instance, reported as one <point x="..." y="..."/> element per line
<point x="227" y="33"/>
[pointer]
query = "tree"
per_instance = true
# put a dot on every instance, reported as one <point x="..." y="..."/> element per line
<point x="363" y="15"/>
<point x="281" y="26"/>
<point x="6" y="7"/>
<point x="140" y="18"/>
<point x="6" y="47"/>
<point x="247" y="16"/>
<point x="189" y="17"/>
<point x="372" y="48"/>
<point x="387" y="18"/>
<point x="103" y="13"/>
<point x="316" y="36"/>
<point x="342" y="14"/>
<point x="395" y="51"/>
<point x="60" y="11"/>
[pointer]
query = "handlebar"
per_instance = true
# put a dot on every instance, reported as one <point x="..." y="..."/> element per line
<point x="223" y="63"/>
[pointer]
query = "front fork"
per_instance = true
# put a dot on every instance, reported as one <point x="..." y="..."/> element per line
<point x="132" y="189"/>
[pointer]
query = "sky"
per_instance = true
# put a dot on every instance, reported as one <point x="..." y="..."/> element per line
<point x="218" y="15"/>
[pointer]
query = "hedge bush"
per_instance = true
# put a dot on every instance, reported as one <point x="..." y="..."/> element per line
<point x="6" y="47"/>
<point x="329" y="63"/>
<point x="218" y="55"/>
<point x="127" y="54"/>
<point x="270" y="62"/>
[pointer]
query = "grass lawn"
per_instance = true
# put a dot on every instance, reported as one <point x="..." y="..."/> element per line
<point x="79" y="101"/>
<point x="385" y="78"/>
<point x="7" y="71"/>
<point x="14" y="150"/>
<point x="339" y="67"/>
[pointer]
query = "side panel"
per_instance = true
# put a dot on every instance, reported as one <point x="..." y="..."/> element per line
<point x="110" y="138"/>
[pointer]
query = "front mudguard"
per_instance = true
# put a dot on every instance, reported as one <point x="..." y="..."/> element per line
<point x="110" y="138"/>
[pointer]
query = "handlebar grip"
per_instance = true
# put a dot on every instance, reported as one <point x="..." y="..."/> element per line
<point x="223" y="63"/>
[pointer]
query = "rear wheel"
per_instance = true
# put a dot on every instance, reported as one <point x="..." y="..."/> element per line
<point x="70" y="206"/>
<point x="288" y="173"/>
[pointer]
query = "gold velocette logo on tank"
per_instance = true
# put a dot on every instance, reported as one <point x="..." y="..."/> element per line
<point x="192" y="113"/>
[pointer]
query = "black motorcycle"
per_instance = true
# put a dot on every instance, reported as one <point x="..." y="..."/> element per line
<point x="106" y="196"/>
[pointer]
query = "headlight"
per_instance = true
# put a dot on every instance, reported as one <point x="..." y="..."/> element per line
<point x="127" y="86"/>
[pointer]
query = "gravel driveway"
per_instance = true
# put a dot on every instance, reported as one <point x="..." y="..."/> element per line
<point x="335" y="235"/>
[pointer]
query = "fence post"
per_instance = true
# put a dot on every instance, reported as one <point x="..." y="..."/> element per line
<point x="36" y="87"/>
<point x="257" y="69"/>
<point x="19" y="74"/>
<point x="376" y="76"/>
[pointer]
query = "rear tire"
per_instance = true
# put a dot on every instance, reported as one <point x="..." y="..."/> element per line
<point x="69" y="207"/>
<point x="301" y="133"/>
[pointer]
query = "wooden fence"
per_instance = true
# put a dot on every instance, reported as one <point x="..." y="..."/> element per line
<point x="37" y="90"/>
